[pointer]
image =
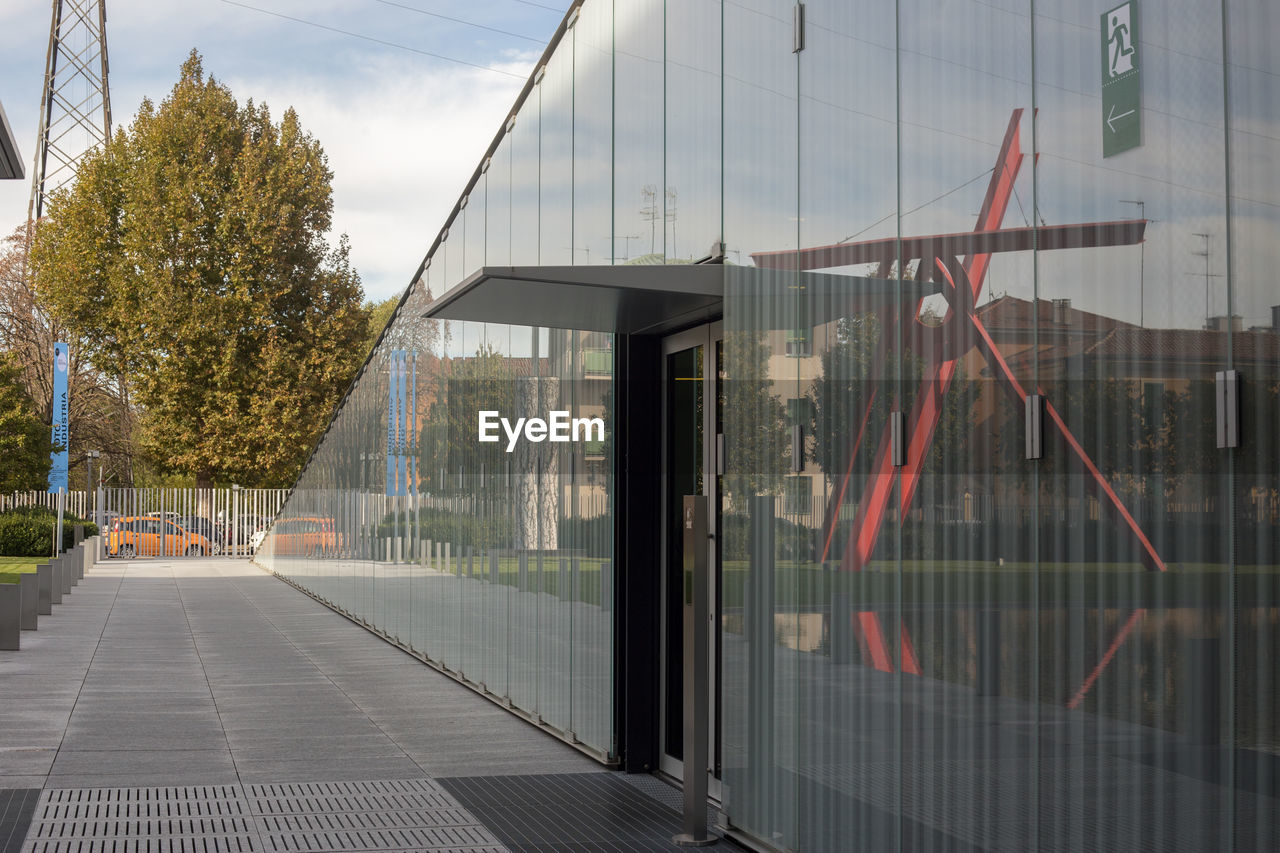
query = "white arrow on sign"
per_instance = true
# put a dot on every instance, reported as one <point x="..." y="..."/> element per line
<point x="1112" y="117"/>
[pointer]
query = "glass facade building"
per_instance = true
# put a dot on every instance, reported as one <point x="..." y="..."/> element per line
<point x="983" y="403"/>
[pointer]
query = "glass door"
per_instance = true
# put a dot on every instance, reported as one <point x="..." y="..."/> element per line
<point x="692" y="366"/>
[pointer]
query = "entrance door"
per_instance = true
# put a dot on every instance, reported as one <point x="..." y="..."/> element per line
<point x="692" y="410"/>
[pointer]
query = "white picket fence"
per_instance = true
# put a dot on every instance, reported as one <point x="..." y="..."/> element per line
<point x="221" y="521"/>
<point x="79" y="502"/>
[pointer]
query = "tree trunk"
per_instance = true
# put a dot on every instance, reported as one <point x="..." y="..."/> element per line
<point x="537" y="469"/>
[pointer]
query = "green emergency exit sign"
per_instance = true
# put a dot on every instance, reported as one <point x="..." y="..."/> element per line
<point x="1121" y="75"/>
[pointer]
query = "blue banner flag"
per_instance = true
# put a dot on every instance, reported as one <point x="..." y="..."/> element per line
<point x="401" y="404"/>
<point x="61" y="409"/>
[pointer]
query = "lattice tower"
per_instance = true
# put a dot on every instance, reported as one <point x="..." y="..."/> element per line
<point x="75" y="110"/>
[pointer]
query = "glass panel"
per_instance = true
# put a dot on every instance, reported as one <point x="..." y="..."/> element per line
<point x="474" y="227"/>
<point x="760" y="571"/>
<point x="593" y="135"/>
<point x="758" y="564"/>
<point x="586" y="534"/>
<point x="1253" y="77"/>
<point x="966" y="548"/>
<point x="691" y="197"/>
<point x="525" y="181"/>
<point x="638" y="131"/>
<point x="760" y="113"/>
<point x="555" y="237"/>
<point x="1133" y="578"/>
<point x="497" y="243"/>
<point x="843" y="622"/>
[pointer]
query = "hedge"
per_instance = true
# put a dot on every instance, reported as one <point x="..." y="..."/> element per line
<point x="28" y="531"/>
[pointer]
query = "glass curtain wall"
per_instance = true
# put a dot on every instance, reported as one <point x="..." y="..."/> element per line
<point x="496" y="566"/>
<point x="937" y="634"/>
<point x="937" y="637"/>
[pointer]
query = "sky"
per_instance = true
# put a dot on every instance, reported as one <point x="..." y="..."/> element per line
<point x="403" y="130"/>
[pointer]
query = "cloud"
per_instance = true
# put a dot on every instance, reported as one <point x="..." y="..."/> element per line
<point x="402" y="131"/>
<point x="401" y="152"/>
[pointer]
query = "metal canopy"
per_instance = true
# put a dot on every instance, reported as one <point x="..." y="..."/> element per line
<point x="625" y="299"/>
<point x="10" y="159"/>
<point x="655" y="299"/>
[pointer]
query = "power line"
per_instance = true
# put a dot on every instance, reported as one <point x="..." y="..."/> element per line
<point x="372" y="39"/>
<point x="558" y="9"/>
<point x="919" y="207"/>
<point x="458" y="21"/>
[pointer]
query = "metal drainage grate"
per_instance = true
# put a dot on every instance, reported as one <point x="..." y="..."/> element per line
<point x="452" y="838"/>
<point x="669" y="795"/>
<point x="326" y="789"/>
<point x="190" y="819"/>
<point x="398" y="814"/>
<point x="361" y="803"/>
<point x="326" y="817"/>
<point x="570" y="811"/>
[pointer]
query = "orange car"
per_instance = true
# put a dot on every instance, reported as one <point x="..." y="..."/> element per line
<point x="310" y="537"/>
<point x="141" y="536"/>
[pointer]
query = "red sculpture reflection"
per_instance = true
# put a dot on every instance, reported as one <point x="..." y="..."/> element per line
<point x="942" y="347"/>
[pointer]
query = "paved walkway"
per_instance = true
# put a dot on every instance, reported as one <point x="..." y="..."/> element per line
<point x="209" y="681"/>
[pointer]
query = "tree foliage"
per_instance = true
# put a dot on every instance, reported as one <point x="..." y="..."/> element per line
<point x="755" y="417"/>
<point x="379" y="315"/>
<point x="25" y="444"/>
<point x="464" y="387"/>
<point x="191" y="253"/>
<point x="101" y="416"/>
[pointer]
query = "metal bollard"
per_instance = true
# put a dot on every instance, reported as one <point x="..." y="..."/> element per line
<point x="10" y="617"/>
<point x="44" y="584"/>
<point x="29" y="584"/>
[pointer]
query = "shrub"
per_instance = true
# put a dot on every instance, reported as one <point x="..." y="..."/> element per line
<point x="28" y="531"/>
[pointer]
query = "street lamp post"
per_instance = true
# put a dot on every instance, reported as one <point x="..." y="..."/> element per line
<point x="88" y="486"/>
<point x="235" y="518"/>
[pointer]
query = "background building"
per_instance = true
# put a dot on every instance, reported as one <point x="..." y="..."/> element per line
<point x="812" y="264"/>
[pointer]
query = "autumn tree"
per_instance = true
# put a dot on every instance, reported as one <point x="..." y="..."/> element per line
<point x="379" y="314"/>
<point x="24" y="440"/>
<point x="101" y="416"/>
<point x="191" y="256"/>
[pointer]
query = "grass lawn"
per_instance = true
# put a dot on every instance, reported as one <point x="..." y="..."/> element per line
<point x="11" y="567"/>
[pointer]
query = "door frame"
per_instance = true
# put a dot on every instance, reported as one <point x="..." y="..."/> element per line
<point x="707" y="336"/>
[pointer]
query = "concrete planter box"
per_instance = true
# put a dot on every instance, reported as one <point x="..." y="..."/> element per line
<point x="29" y="584"/>
<point x="10" y="617"/>
<point x="44" y="584"/>
<point x="56" y="563"/>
